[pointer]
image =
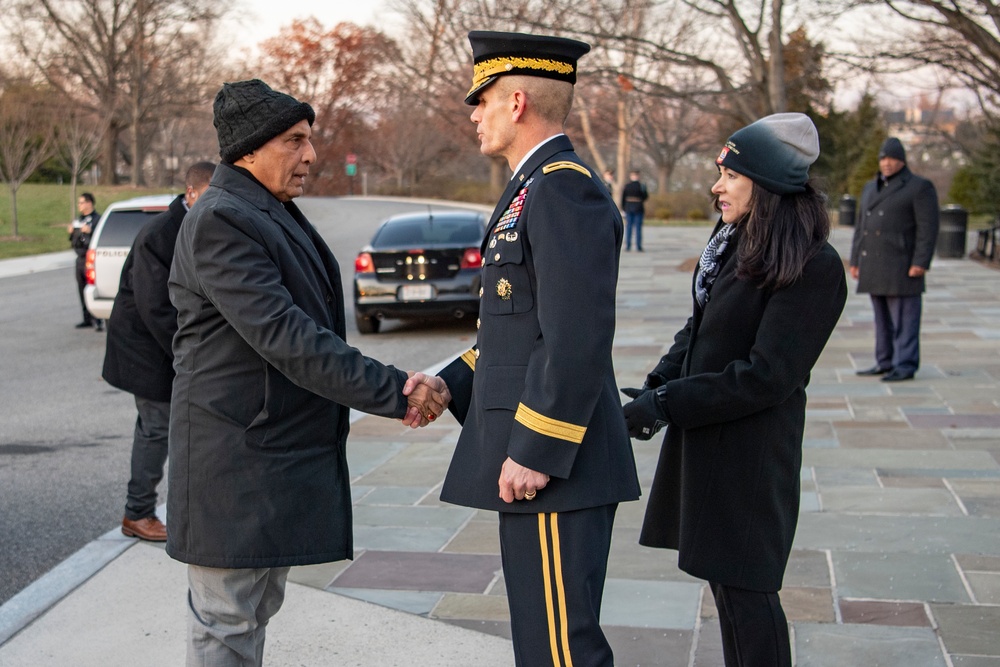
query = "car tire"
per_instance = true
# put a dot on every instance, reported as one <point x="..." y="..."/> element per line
<point x="367" y="324"/>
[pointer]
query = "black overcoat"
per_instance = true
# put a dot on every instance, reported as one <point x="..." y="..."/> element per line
<point x="726" y="489"/>
<point x="138" y="356"/>
<point x="265" y="380"/>
<point x="539" y="386"/>
<point x="896" y="228"/>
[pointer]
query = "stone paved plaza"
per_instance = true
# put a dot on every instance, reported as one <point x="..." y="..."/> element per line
<point x="896" y="561"/>
<point x="897" y="555"/>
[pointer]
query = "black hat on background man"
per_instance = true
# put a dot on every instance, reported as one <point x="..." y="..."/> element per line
<point x="248" y="114"/>
<point x="893" y="148"/>
<point x="497" y="54"/>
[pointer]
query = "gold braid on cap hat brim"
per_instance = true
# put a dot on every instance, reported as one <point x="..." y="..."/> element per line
<point x="494" y="66"/>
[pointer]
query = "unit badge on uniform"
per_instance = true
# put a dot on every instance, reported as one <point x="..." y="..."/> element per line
<point x="504" y="289"/>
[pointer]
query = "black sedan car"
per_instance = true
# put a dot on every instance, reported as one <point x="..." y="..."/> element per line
<point x="419" y="265"/>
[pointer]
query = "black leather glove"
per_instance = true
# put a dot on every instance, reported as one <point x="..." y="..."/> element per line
<point x="645" y="415"/>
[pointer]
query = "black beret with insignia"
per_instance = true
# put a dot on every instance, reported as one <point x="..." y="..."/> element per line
<point x="498" y="53"/>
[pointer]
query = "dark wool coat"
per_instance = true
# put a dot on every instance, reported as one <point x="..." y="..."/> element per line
<point x="539" y="386"/>
<point x="726" y="489"/>
<point x="265" y="380"/>
<point x="138" y="356"/>
<point x="896" y="228"/>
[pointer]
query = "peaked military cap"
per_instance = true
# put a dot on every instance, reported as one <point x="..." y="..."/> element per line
<point x="496" y="54"/>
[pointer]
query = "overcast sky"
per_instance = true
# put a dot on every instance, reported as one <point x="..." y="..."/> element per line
<point x="264" y="18"/>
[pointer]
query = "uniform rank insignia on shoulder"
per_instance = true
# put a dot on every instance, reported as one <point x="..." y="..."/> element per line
<point x="509" y="218"/>
<point x="565" y="164"/>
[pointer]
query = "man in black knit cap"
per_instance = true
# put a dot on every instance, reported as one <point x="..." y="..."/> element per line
<point x="264" y="382"/>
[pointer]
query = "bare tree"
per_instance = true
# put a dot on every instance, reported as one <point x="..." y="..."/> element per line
<point x="410" y="144"/>
<point x="960" y="37"/>
<point x="25" y="137"/>
<point x="670" y="130"/>
<point x="125" y="60"/>
<point x="77" y="136"/>
<point x="436" y="64"/>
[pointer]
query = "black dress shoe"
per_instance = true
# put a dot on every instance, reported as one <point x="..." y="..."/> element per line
<point x="99" y="325"/>
<point x="84" y="325"/>
<point x="898" y="376"/>
<point x="875" y="370"/>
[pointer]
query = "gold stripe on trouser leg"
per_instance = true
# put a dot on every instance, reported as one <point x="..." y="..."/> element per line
<point x="549" y="607"/>
<point x="557" y="561"/>
<point x="559" y="591"/>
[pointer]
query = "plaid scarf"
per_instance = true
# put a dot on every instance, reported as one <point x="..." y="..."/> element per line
<point x="708" y="265"/>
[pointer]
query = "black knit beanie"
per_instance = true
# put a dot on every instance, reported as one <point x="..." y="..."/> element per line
<point x="248" y="114"/>
<point x="775" y="152"/>
<point x="892" y="147"/>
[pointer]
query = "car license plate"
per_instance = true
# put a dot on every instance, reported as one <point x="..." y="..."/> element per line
<point x="416" y="293"/>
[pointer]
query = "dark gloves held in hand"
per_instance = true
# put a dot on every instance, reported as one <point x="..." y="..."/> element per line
<point x="646" y="413"/>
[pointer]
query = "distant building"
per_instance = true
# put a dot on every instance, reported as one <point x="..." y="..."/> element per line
<point x="928" y="130"/>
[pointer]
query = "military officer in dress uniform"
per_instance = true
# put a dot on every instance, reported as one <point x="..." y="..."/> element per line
<point x="543" y="441"/>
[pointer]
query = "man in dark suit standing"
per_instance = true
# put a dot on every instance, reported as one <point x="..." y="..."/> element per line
<point x="894" y="238"/>
<point x="544" y="441"/>
<point x="264" y="382"/>
<point x="139" y="358"/>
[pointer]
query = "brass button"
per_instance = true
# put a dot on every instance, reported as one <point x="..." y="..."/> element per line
<point x="477" y="353"/>
<point x="496" y="257"/>
<point x="479" y="322"/>
<point x="480" y="292"/>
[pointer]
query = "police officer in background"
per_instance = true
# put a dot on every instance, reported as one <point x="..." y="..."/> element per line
<point x="80" y="231"/>
<point x="544" y="441"/>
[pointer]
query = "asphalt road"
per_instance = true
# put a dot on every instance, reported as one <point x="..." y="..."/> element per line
<point x="65" y="435"/>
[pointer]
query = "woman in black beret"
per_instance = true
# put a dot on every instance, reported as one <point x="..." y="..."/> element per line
<point x="768" y="292"/>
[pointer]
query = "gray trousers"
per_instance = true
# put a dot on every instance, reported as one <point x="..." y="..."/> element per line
<point x="228" y="612"/>
<point x="149" y="454"/>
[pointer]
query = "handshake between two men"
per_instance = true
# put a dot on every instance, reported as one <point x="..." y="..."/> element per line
<point x="427" y="397"/>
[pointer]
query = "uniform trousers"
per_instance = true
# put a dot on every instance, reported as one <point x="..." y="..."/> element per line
<point x="754" y="628"/>
<point x="149" y="454"/>
<point x="897" y="332"/>
<point x="228" y="612"/>
<point x="554" y="567"/>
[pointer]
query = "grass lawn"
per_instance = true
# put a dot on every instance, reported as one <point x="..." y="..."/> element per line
<point x="44" y="210"/>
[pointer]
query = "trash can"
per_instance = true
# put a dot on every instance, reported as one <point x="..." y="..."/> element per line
<point x="846" y="211"/>
<point x="954" y="225"/>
